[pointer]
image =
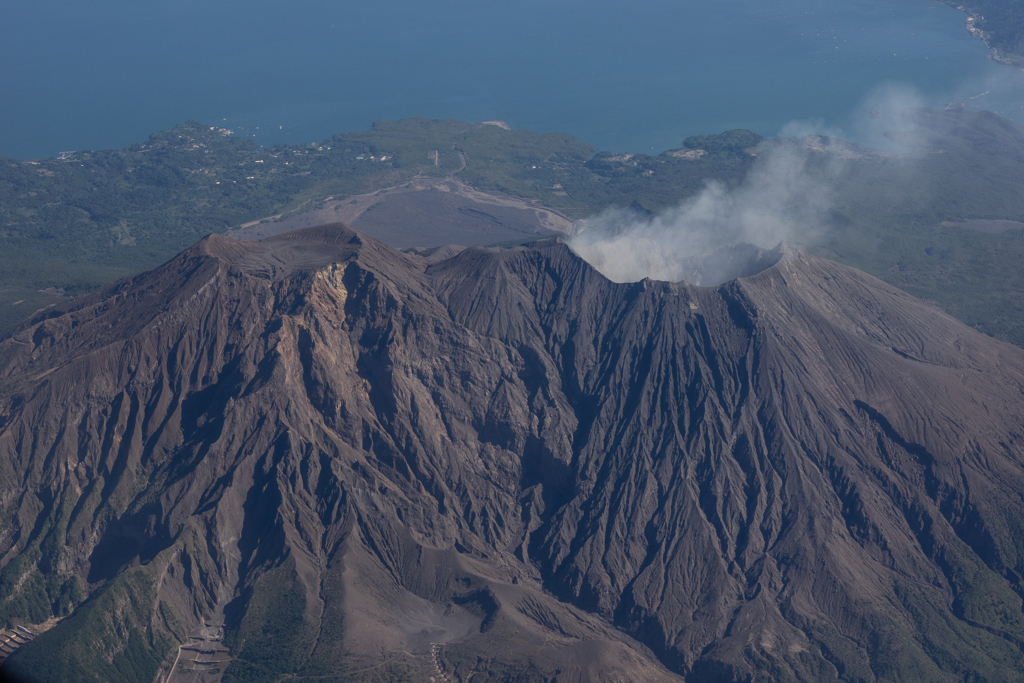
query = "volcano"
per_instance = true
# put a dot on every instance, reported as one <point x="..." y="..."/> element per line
<point x="495" y="464"/>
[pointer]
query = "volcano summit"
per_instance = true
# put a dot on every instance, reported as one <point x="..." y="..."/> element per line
<point x="497" y="464"/>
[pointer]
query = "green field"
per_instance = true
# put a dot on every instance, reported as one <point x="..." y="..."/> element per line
<point x="74" y="223"/>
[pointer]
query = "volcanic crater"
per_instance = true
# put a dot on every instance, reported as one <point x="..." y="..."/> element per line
<point x="496" y="464"/>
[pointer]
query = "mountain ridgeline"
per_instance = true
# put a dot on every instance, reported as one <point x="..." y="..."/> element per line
<point x="496" y="464"/>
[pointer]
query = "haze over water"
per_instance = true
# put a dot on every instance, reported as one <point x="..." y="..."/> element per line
<point x="622" y="76"/>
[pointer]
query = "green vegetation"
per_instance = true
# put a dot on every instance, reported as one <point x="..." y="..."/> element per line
<point x="108" y="639"/>
<point x="730" y="143"/>
<point x="78" y="222"/>
<point x="88" y="218"/>
<point x="902" y="219"/>
<point x="1002" y="22"/>
<point x="273" y="638"/>
<point x="973" y="276"/>
<point x="91" y="217"/>
<point x="30" y="586"/>
<point x="72" y="224"/>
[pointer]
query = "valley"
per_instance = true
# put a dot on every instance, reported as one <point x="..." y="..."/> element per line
<point x="663" y="400"/>
<point x="357" y="454"/>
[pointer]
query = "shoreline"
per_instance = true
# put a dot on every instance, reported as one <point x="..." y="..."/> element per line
<point x="1012" y="60"/>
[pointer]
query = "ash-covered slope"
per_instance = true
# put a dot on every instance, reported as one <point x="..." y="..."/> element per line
<point x="348" y="454"/>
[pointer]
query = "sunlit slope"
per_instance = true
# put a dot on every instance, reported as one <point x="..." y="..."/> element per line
<point x="76" y="223"/>
<point x="347" y="453"/>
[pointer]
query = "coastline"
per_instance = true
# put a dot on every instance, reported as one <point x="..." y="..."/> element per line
<point x="997" y="56"/>
<point x="973" y="17"/>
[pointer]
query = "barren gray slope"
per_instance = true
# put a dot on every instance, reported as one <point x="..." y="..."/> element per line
<point x="799" y="474"/>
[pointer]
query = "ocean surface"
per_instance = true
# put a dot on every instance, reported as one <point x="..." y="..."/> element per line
<point x="622" y="76"/>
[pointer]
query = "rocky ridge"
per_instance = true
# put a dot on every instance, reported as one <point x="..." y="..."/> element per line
<point x="357" y="458"/>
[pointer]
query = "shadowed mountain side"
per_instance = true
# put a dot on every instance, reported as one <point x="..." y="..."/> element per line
<point x="353" y="456"/>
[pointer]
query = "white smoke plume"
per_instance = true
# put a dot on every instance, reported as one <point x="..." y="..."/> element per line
<point x="786" y="197"/>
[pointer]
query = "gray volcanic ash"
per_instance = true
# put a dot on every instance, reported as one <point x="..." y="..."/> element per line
<point x="355" y="457"/>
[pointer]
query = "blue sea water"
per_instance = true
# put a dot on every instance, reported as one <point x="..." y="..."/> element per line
<point x="622" y="76"/>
